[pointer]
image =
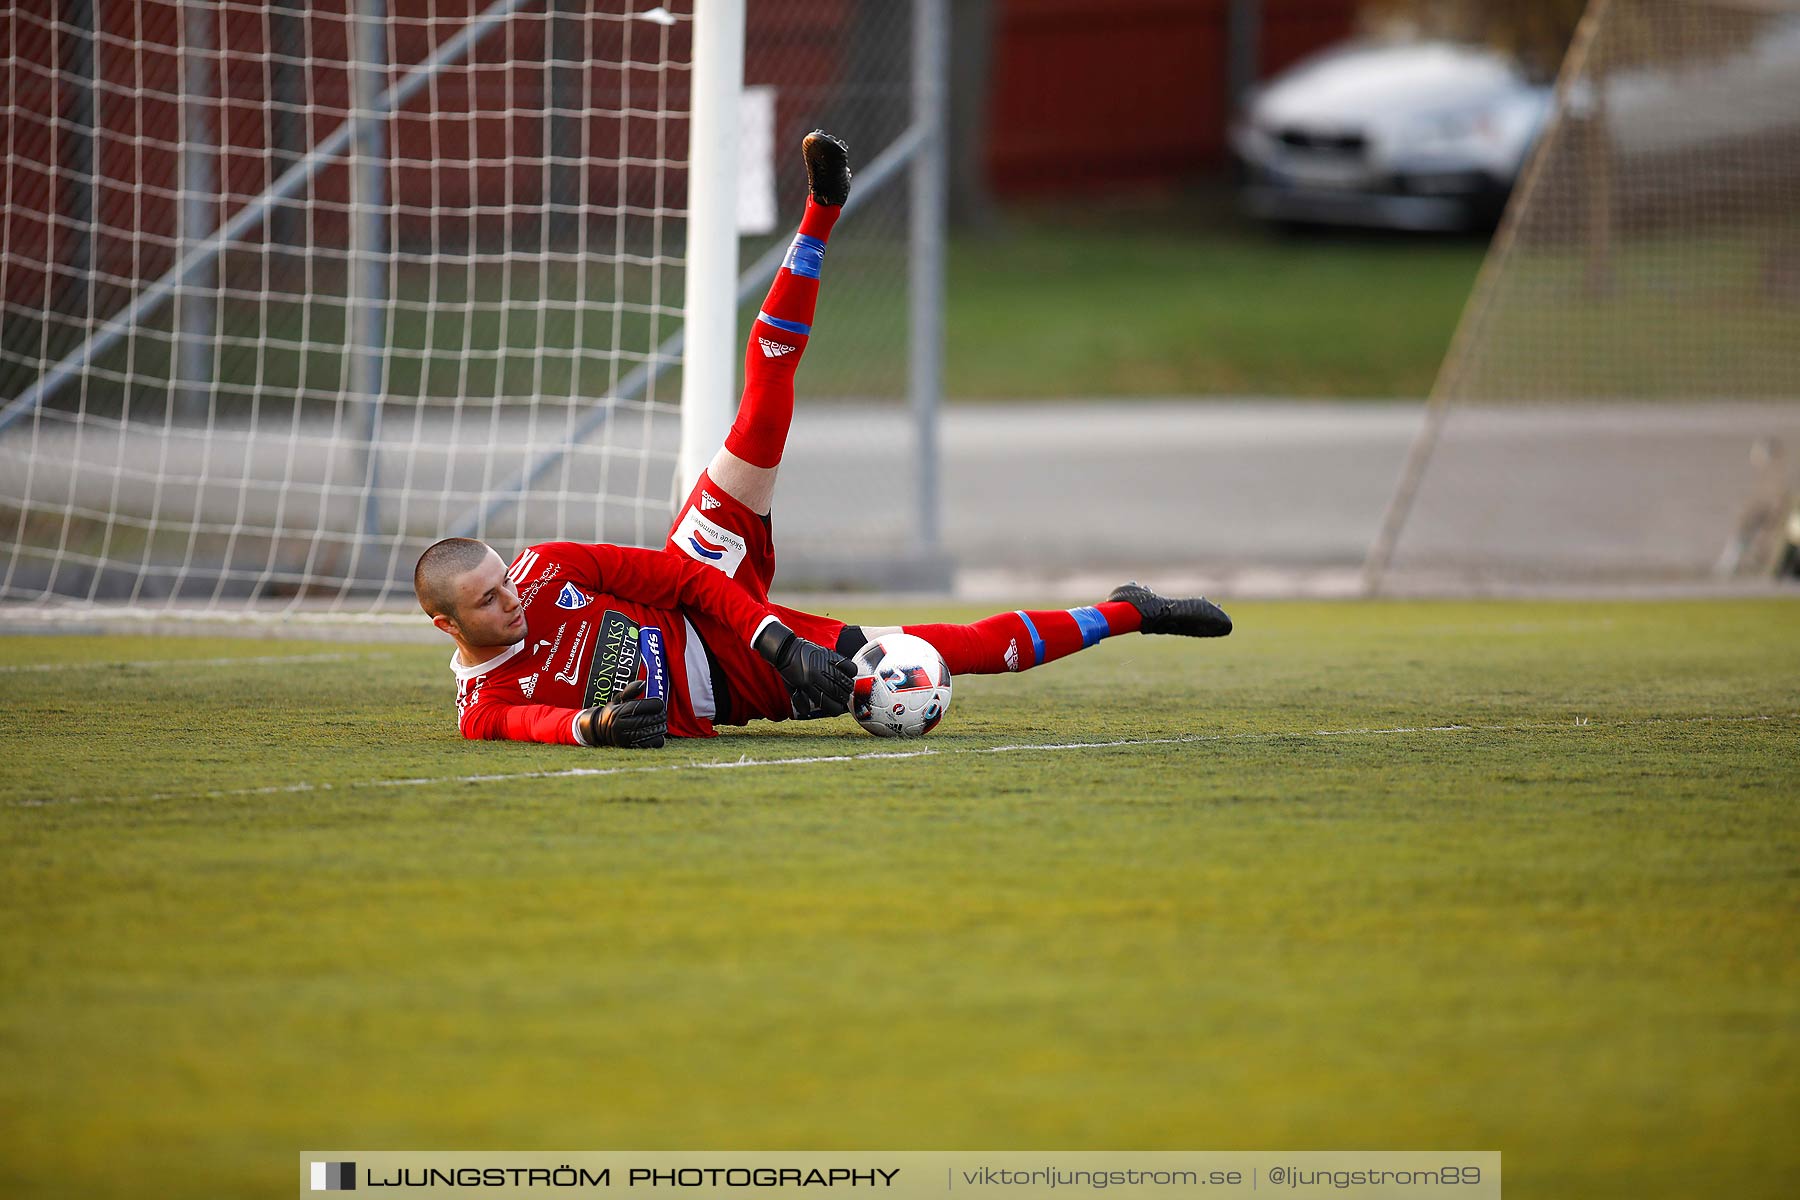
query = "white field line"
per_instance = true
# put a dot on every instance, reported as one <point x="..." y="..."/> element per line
<point x="1581" y="723"/>
<point x="257" y="661"/>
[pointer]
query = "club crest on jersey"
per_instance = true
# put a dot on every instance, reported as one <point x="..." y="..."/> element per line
<point x="710" y="543"/>
<point x="572" y="597"/>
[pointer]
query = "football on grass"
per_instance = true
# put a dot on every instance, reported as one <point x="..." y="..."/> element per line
<point x="902" y="687"/>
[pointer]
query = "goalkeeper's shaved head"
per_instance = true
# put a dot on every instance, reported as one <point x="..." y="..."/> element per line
<point x="442" y="564"/>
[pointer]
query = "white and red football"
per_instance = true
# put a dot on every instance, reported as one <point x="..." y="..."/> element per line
<point x="902" y="686"/>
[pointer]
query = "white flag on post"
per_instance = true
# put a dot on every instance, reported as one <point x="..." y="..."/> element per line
<point x="756" y="161"/>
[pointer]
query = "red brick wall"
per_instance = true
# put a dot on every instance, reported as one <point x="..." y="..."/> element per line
<point x="1086" y="93"/>
<point x="1090" y="93"/>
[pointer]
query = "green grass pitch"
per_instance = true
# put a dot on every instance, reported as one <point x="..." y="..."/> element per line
<point x="1513" y="876"/>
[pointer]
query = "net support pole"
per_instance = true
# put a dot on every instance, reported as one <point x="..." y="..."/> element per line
<point x="710" y="298"/>
<point x="78" y="131"/>
<point x="564" y="84"/>
<point x="367" y="315"/>
<point x="195" y="306"/>
<point x="287" y="124"/>
<point x="1243" y="42"/>
<point x="925" y="353"/>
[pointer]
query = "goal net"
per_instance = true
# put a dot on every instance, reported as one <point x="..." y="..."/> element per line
<point x="1620" y="401"/>
<point x="292" y="290"/>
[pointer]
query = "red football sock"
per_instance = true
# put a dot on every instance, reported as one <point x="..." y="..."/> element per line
<point x="1018" y="641"/>
<point x="777" y="340"/>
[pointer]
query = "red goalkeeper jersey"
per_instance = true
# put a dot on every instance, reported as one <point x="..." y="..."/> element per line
<point x="597" y="618"/>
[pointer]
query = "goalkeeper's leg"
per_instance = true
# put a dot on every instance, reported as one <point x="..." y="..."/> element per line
<point x="746" y="465"/>
<point x="1020" y="640"/>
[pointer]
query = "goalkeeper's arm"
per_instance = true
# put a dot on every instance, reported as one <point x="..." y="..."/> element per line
<point x="632" y="721"/>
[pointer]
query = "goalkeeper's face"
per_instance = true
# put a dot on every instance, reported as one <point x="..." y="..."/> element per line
<point x="487" y="609"/>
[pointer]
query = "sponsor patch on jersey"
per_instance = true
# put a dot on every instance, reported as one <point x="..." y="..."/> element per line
<point x="712" y="544"/>
<point x="572" y="597"/>
<point x="617" y="654"/>
<point x="554" y="646"/>
<point x="571" y="672"/>
<point x="655" y="660"/>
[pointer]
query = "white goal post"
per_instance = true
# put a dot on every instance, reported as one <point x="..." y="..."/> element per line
<point x="290" y="290"/>
<point x="712" y="244"/>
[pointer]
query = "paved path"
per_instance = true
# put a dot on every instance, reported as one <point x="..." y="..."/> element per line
<point x="1127" y="483"/>
<point x="1263" y="495"/>
<point x="1288" y="495"/>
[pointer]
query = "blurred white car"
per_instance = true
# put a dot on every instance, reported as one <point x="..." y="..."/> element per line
<point x="1409" y="135"/>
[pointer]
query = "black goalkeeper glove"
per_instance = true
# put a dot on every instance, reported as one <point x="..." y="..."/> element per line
<point x="630" y="721"/>
<point x="818" y="678"/>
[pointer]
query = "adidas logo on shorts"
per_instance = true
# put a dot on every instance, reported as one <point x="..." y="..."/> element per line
<point x="708" y="501"/>
<point x="775" y="349"/>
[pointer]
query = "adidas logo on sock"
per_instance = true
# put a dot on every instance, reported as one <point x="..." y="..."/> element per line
<point x="1012" y="655"/>
<point x="707" y="500"/>
<point x="775" y="349"/>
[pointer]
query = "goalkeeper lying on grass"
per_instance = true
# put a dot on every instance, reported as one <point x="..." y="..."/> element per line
<point x="600" y="645"/>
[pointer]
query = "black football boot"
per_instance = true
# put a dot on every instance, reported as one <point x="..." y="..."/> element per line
<point x="1195" y="616"/>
